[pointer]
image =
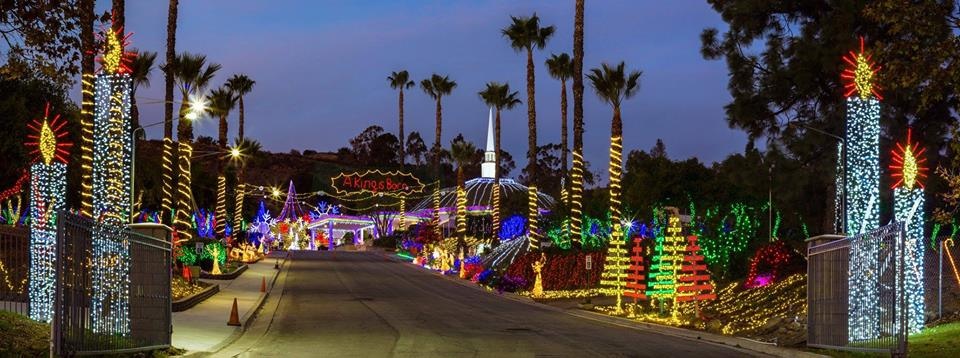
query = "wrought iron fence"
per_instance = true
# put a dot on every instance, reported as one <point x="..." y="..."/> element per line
<point x="113" y="289"/>
<point x="14" y="268"/>
<point x="855" y="294"/>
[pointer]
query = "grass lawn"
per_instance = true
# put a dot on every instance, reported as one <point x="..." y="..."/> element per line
<point x="23" y="337"/>
<point x="938" y="341"/>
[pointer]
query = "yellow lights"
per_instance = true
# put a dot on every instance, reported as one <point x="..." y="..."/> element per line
<point x="275" y="193"/>
<point x="235" y="153"/>
<point x="402" y="224"/>
<point x="238" y="210"/>
<point x="496" y="211"/>
<point x="113" y="52"/>
<point x="221" y="206"/>
<point x="197" y="107"/>
<point x="860" y="75"/>
<point x="907" y="163"/>
<point x="616" y="163"/>
<point x="537" y="267"/>
<point x="184" y="209"/>
<point x="166" y="201"/>
<point x="576" y="195"/>
<point x="909" y="169"/>
<point x="863" y="77"/>
<point x="533" y="233"/>
<point x="461" y="211"/>
<point x="48" y="143"/>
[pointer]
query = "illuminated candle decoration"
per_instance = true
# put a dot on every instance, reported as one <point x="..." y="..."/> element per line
<point x="862" y="189"/>
<point x="636" y="286"/>
<point x="533" y="232"/>
<point x="908" y="169"/>
<point x="112" y="158"/>
<point x="48" y="188"/>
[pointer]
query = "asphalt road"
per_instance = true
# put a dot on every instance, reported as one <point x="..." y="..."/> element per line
<point x="356" y="304"/>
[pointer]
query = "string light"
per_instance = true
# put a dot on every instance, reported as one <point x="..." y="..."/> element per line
<point x="238" y="214"/>
<point x="616" y="264"/>
<point x="184" y="193"/>
<point x="533" y="233"/>
<point x="496" y="213"/>
<point x="666" y="261"/>
<point x="860" y="75"/>
<point x="576" y="195"/>
<point x="221" y="209"/>
<point x="461" y="211"/>
<point x="166" y="201"/>
<point x="694" y="281"/>
<point x="636" y="276"/>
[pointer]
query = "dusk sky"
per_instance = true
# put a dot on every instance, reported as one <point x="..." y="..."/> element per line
<point x="321" y="69"/>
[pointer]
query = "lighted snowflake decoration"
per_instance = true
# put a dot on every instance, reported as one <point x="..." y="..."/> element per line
<point x="908" y="165"/>
<point x="115" y="59"/>
<point x="47" y="138"/>
<point x="860" y="77"/>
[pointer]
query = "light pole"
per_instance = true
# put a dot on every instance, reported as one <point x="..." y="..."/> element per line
<point x="841" y="210"/>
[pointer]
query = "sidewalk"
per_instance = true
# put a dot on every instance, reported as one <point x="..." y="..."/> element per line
<point x="204" y="328"/>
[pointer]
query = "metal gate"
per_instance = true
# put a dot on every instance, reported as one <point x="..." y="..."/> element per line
<point x="14" y="268"/>
<point x="112" y="289"/>
<point x="855" y="298"/>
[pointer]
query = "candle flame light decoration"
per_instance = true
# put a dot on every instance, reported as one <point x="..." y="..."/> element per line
<point x="48" y="187"/>
<point x="908" y="168"/>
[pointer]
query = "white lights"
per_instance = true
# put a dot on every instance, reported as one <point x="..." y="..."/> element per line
<point x="48" y="188"/>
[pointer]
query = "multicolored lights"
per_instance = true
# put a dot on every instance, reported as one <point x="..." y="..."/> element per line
<point x="908" y="200"/>
<point x="48" y="138"/>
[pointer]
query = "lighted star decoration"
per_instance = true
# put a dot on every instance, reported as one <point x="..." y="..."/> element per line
<point x="48" y="138"/>
<point x="115" y="59"/>
<point x="860" y="77"/>
<point x="908" y="165"/>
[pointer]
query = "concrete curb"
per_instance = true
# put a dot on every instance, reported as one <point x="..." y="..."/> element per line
<point x="650" y="327"/>
<point x="188" y="302"/>
<point x="247" y="318"/>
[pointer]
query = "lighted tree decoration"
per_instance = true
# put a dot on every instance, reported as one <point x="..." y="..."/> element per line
<point x="694" y="280"/>
<point x="615" y="265"/>
<point x="48" y="188"/>
<point x="665" y="262"/>
<point x="908" y="169"/>
<point x="112" y="158"/>
<point x="861" y="154"/>
<point x="636" y="286"/>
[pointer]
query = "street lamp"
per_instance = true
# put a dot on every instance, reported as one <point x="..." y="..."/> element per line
<point x="841" y="209"/>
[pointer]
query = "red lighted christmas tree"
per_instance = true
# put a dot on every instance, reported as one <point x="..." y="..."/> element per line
<point x="694" y="281"/>
<point x="636" y="286"/>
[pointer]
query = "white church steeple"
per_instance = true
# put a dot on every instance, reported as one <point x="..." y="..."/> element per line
<point x="489" y="166"/>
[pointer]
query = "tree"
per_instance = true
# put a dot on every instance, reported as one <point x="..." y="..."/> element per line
<point x="169" y="79"/>
<point x="416" y="148"/>
<point x="240" y="85"/>
<point x="612" y="86"/>
<point x="42" y="40"/>
<point x="119" y="14"/>
<point x="222" y="101"/>
<point x="140" y="70"/>
<point x="87" y="67"/>
<point x="561" y="68"/>
<point x="462" y="153"/>
<point x="577" y="175"/>
<point x="400" y="81"/>
<point x="436" y="87"/>
<point x="525" y="33"/>
<point x="792" y="74"/>
<point x="499" y="97"/>
<point x="548" y="172"/>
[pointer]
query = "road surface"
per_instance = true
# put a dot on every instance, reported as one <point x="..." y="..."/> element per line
<point x="361" y="304"/>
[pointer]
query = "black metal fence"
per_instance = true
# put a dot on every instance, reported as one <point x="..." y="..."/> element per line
<point x="855" y="294"/>
<point x="113" y="289"/>
<point x="14" y="268"/>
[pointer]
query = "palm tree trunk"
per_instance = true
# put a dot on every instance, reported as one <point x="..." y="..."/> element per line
<point x="461" y="207"/>
<point x="134" y="110"/>
<point x="531" y="121"/>
<point x="616" y="168"/>
<point x="436" y="140"/>
<point x="119" y="8"/>
<point x="576" y="177"/>
<point x="240" y="121"/>
<point x="166" y="201"/>
<point x="563" y="129"/>
<point x="403" y="151"/>
<point x="222" y="140"/>
<point x="221" y="209"/>
<point x="87" y="67"/>
<point x="496" y="178"/>
<point x="184" y="187"/>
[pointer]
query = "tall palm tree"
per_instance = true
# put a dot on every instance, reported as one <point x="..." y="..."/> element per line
<point x="462" y="153"/>
<point x="240" y="85"/>
<point x="119" y="10"/>
<point x="524" y="34"/>
<point x="561" y="68"/>
<point x="222" y="101"/>
<point x="140" y="70"/>
<point x="576" y="176"/>
<point x="499" y="97"/>
<point x="193" y="75"/>
<point x="436" y="87"/>
<point x="400" y="81"/>
<point x="87" y="67"/>
<point x="166" y="201"/>
<point x="612" y="86"/>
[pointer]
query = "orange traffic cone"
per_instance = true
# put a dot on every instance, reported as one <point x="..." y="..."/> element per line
<point x="234" y="317"/>
<point x="263" y="284"/>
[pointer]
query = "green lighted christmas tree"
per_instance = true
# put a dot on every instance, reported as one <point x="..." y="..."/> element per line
<point x="666" y="261"/>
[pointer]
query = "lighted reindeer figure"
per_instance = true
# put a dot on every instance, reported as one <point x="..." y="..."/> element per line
<point x="214" y="251"/>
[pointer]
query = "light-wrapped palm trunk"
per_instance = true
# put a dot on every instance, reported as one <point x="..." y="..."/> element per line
<point x="184" y="201"/>
<point x="496" y="179"/>
<point x="166" y="199"/>
<point x="576" y="175"/>
<point x="221" y="211"/>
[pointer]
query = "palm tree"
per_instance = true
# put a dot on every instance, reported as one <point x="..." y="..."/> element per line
<point x="400" y="81"/>
<point x="436" y="87"/>
<point x="462" y="153"/>
<point x="240" y="85"/>
<point x="193" y="75"/>
<point x="613" y="86"/>
<point x="166" y="201"/>
<point x="87" y="67"/>
<point x="416" y="148"/>
<point x="250" y="149"/>
<point x="222" y="101"/>
<point x="119" y="8"/>
<point x="499" y="97"/>
<point x="140" y="70"/>
<point x="561" y="68"/>
<point x="525" y="33"/>
<point x="576" y="177"/>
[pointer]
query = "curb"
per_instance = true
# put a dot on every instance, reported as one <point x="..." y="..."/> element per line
<point x="188" y="302"/>
<point x="230" y="276"/>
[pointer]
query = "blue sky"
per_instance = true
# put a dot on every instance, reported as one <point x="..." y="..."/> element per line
<point x="321" y="69"/>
